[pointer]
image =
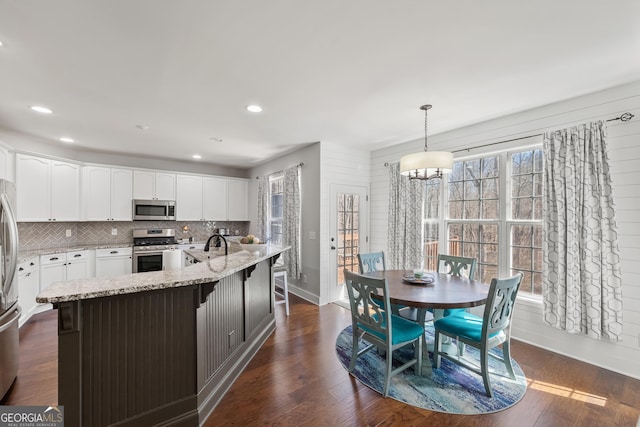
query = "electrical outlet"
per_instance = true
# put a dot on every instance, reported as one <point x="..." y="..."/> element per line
<point x="114" y="231"/>
<point x="68" y="233"/>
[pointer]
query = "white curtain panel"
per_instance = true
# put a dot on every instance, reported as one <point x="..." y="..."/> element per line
<point x="581" y="279"/>
<point x="405" y="235"/>
<point x="291" y="221"/>
<point x="263" y="208"/>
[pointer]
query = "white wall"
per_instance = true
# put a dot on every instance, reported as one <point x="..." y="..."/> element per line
<point x="624" y="146"/>
<point x="310" y="201"/>
<point x="340" y="165"/>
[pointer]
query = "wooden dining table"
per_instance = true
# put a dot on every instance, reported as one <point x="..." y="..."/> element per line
<point x="444" y="291"/>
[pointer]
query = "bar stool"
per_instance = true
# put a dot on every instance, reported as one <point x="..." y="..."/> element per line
<point x="281" y="271"/>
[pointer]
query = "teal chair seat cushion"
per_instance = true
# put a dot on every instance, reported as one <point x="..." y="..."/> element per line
<point x="402" y="330"/>
<point x="465" y="325"/>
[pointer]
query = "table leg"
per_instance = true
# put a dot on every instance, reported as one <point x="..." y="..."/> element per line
<point x="446" y="344"/>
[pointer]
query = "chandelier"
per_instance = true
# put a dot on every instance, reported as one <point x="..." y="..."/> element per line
<point x="427" y="164"/>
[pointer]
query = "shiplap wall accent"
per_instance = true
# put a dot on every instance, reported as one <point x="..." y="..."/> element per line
<point x="624" y="152"/>
<point x="340" y="164"/>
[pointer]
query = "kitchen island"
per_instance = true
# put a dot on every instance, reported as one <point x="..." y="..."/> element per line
<point x="160" y="347"/>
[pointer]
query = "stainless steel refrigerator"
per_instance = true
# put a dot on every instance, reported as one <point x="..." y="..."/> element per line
<point x="9" y="308"/>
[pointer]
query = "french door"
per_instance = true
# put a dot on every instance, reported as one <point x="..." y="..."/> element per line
<point x="348" y="237"/>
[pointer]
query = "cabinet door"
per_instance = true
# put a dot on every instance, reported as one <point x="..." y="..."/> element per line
<point x="113" y="266"/>
<point x="143" y="183"/>
<point x="65" y="191"/>
<point x="29" y="285"/>
<point x="51" y="273"/>
<point x="238" y="200"/>
<point x="165" y="186"/>
<point x="189" y="198"/>
<point x="97" y="193"/>
<point x="4" y="165"/>
<point x="214" y="198"/>
<point x="77" y="265"/>
<point x="121" y="195"/>
<point x="33" y="188"/>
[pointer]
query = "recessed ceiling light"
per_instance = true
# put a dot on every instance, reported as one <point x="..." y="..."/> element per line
<point x="142" y="127"/>
<point x="67" y="139"/>
<point x="254" y="108"/>
<point x="0" y="43"/>
<point x="215" y="139"/>
<point x="41" y="109"/>
<point x="197" y="156"/>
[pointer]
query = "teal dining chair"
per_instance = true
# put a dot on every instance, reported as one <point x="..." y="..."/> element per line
<point x="380" y="328"/>
<point x="373" y="261"/>
<point x="456" y="266"/>
<point x="483" y="333"/>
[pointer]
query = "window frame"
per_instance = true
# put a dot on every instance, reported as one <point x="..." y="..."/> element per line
<point x="505" y="221"/>
<point x="270" y="218"/>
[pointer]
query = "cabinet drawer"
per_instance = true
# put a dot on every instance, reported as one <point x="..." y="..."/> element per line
<point x="100" y="253"/>
<point x="79" y="255"/>
<point x="53" y="259"/>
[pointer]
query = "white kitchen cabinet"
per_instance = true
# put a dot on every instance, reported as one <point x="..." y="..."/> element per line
<point x="107" y="193"/>
<point x="211" y="198"/>
<point x="189" y="198"/>
<point x="47" y="190"/>
<point x="214" y="198"/>
<point x="64" y="266"/>
<point x="113" y="262"/>
<point x="154" y="185"/>
<point x="6" y="171"/>
<point x="237" y="199"/>
<point x="187" y="259"/>
<point x="29" y="287"/>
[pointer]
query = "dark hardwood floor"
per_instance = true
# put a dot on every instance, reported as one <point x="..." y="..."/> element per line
<point x="296" y="380"/>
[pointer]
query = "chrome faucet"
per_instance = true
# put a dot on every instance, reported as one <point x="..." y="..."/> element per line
<point x="226" y="247"/>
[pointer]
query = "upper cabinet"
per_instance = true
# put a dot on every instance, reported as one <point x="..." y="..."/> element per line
<point x="5" y="164"/>
<point x="237" y="199"/>
<point x="154" y="185"/>
<point x="107" y="193"/>
<point x="48" y="190"/>
<point x="211" y="198"/>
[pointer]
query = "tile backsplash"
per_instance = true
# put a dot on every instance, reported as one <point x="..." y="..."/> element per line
<point x="45" y="235"/>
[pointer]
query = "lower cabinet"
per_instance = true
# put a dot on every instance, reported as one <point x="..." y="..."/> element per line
<point x="28" y="288"/>
<point x="64" y="266"/>
<point x="113" y="262"/>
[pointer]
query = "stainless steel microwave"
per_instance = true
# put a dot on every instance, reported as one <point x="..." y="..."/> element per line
<point x="154" y="210"/>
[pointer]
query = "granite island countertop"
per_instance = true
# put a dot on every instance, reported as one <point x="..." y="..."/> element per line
<point x="208" y="270"/>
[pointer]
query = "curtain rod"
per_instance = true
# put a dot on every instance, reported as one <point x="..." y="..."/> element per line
<point x="624" y="117"/>
<point x="299" y="165"/>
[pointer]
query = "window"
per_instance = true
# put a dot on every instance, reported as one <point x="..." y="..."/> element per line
<point x="276" y="210"/>
<point x="502" y="229"/>
<point x="431" y="224"/>
<point x="474" y="210"/>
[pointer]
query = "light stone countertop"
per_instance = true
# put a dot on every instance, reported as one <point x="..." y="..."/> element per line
<point x="207" y="271"/>
<point x="24" y="255"/>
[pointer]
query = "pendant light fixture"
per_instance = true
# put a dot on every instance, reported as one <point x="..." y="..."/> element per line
<point x="427" y="164"/>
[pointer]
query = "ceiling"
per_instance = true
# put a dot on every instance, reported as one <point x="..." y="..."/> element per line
<point x="346" y="72"/>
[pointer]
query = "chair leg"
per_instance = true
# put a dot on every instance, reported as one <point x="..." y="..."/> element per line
<point x="285" y="291"/>
<point x="436" y="350"/>
<point x="506" y="355"/>
<point x="354" y="353"/>
<point x="387" y="377"/>
<point x="484" y="369"/>
<point x="418" y="365"/>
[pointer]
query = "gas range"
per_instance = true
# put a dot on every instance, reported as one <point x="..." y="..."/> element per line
<point x="154" y="239"/>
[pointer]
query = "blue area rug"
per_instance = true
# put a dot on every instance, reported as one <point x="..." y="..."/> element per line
<point x="451" y="389"/>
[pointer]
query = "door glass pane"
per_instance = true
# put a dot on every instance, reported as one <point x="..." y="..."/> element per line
<point x="348" y="239"/>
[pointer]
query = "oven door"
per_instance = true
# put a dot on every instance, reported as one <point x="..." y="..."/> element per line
<point x="147" y="261"/>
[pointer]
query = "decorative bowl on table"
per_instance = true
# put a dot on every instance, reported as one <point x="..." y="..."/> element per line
<point x="253" y="247"/>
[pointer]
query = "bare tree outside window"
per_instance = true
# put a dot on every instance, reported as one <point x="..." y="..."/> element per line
<point x="474" y="199"/>
<point x="526" y="207"/>
<point x="276" y="196"/>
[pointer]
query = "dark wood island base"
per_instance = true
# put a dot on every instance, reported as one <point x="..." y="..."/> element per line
<point x="161" y="356"/>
